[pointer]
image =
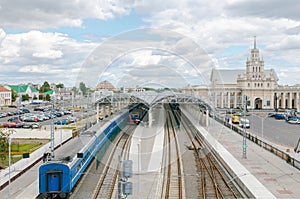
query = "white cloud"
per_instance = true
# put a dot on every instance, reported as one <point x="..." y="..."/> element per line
<point x="51" y="54"/>
<point x="52" y="14"/>
<point x="217" y="25"/>
<point x="37" y="56"/>
<point x="213" y="24"/>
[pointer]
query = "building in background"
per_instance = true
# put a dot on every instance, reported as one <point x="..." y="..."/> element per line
<point x="230" y="88"/>
<point x="25" y="90"/>
<point x="105" y="85"/>
<point x="5" y="96"/>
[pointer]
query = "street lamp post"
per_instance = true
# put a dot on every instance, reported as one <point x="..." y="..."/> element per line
<point x="244" y="130"/>
<point x="139" y="145"/>
<point x="8" y="133"/>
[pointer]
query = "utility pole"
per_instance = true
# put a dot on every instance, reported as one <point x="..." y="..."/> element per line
<point x="52" y="134"/>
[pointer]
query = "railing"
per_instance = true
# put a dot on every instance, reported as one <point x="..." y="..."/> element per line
<point x="283" y="155"/>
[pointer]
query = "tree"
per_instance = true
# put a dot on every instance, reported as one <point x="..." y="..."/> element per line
<point x="60" y="85"/>
<point x="41" y="96"/>
<point x="3" y="145"/>
<point x="48" y="97"/>
<point x="45" y="87"/>
<point x="25" y="97"/>
<point x="14" y="95"/>
<point x="83" y="88"/>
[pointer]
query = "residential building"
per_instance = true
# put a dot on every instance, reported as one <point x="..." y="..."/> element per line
<point x="5" y="96"/>
<point x="25" y="90"/>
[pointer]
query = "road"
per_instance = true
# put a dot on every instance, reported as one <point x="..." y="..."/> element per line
<point x="277" y="131"/>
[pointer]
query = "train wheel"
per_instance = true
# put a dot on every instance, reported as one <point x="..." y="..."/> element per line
<point x="62" y="195"/>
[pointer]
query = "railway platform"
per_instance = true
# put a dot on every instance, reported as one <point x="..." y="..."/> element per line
<point x="278" y="178"/>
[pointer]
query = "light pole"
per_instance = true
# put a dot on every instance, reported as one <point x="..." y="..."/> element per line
<point x="138" y="145"/>
<point x="7" y="133"/>
<point x="244" y="130"/>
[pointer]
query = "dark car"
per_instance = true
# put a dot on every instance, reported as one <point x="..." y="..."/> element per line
<point x="61" y="122"/>
<point x="26" y="125"/>
<point x="13" y="119"/>
<point x="278" y="116"/>
<point x="24" y="110"/>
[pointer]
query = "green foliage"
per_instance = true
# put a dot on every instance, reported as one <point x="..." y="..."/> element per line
<point x="45" y="87"/>
<point x="41" y="97"/>
<point x="60" y="85"/>
<point x="14" y="95"/>
<point x="34" y="97"/>
<point x="15" y="147"/>
<point x="24" y="147"/>
<point x="48" y="97"/>
<point x="83" y="88"/>
<point x="25" y="97"/>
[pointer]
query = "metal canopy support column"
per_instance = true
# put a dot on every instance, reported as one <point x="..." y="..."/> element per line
<point x="97" y="112"/>
<point x="207" y="117"/>
<point x="150" y="116"/>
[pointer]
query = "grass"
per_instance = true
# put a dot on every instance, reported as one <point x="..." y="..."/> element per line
<point x="27" y="147"/>
<point x="18" y="147"/>
<point x="4" y="160"/>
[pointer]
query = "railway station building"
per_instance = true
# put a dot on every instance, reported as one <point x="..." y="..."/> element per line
<point x="230" y="88"/>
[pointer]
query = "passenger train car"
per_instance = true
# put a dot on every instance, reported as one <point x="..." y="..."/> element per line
<point x="58" y="177"/>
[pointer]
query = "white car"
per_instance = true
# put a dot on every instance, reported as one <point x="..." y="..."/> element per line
<point x="244" y="123"/>
<point x="35" y="125"/>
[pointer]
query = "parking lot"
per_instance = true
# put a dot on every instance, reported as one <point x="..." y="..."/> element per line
<point x="36" y="118"/>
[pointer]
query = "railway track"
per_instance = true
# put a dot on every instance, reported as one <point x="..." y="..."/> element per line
<point x="173" y="173"/>
<point x="107" y="183"/>
<point x="213" y="182"/>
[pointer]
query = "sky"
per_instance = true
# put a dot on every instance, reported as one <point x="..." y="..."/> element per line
<point x="142" y="42"/>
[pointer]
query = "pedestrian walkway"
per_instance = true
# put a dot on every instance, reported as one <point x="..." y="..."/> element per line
<point x="280" y="178"/>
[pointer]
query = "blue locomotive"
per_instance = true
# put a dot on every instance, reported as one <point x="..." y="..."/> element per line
<point x="58" y="177"/>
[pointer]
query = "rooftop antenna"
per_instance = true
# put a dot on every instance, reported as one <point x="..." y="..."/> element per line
<point x="254" y="42"/>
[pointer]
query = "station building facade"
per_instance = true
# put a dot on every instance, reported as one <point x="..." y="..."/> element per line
<point x="255" y="85"/>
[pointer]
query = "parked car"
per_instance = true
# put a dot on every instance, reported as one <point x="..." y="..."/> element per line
<point x="26" y="125"/>
<point x="61" y="122"/>
<point x="235" y="119"/>
<point x="271" y="114"/>
<point x="244" y="123"/>
<point x="278" y="116"/>
<point x="24" y="110"/>
<point x="35" y="125"/>
<point x="294" y="120"/>
<point x="13" y="119"/>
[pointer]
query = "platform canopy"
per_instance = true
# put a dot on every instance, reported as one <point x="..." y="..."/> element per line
<point x="150" y="98"/>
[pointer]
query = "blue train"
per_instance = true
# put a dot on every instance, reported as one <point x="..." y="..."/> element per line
<point x="58" y="177"/>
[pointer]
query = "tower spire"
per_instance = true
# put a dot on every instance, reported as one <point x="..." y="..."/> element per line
<point x="254" y="42"/>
